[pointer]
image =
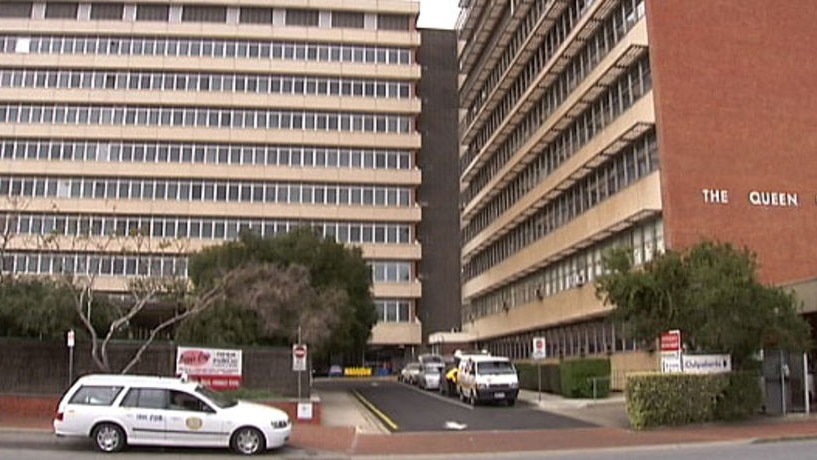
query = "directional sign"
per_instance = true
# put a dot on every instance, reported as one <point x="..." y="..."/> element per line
<point x="299" y="353"/>
<point x="539" y="348"/>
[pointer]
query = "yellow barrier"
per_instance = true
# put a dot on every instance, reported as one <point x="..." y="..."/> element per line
<point x="357" y="372"/>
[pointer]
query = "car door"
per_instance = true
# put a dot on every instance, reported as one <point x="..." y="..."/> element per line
<point x="191" y="421"/>
<point x="143" y="413"/>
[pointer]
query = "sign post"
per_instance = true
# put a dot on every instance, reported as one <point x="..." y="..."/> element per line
<point x="70" y="342"/>
<point x="539" y="353"/>
<point x="299" y="365"/>
<point x="671" y="352"/>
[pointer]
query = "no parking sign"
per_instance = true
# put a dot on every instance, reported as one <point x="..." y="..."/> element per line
<point x="539" y="348"/>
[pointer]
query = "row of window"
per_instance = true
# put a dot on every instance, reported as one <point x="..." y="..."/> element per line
<point x="620" y="171"/>
<point x="175" y="47"/>
<point x="117" y="11"/>
<point x="185" y="227"/>
<point x="162" y="152"/>
<point x="241" y="83"/>
<point x="604" y="38"/>
<point x="567" y="341"/>
<point x="394" y="311"/>
<point x="646" y="240"/>
<point x="536" y="20"/>
<point x="391" y="272"/>
<point x="204" y="191"/>
<point x="204" y="118"/>
<point x="617" y="97"/>
<point x="608" y="106"/>
<point x="55" y="263"/>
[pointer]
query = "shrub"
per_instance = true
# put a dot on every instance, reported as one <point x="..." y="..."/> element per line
<point x="529" y="378"/>
<point x="577" y="377"/>
<point x="655" y="399"/>
<point x="741" y="398"/>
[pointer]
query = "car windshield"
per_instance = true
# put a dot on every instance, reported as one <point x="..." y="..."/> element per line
<point x="432" y="369"/>
<point x="496" y="367"/>
<point x="219" y="399"/>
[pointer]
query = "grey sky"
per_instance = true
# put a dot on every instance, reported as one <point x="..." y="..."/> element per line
<point x="438" y="14"/>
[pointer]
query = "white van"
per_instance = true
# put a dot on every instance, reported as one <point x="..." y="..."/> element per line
<point x="118" y="410"/>
<point x="487" y="378"/>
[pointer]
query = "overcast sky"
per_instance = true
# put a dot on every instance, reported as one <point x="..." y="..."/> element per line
<point x="438" y="14"/>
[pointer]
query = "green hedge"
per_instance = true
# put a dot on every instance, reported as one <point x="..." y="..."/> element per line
<point x="655" y="399"/>
<point x="529" y="378"/>
<point x="578" y="377"/>
<point x="742" y="397"/>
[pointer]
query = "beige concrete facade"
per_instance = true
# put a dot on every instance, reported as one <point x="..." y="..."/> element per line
<point x="377" y="131"/>
<point x="588" y="124"/>
<point x="540" y="206"/>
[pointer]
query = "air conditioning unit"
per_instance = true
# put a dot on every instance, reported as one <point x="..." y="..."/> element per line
<point x="579" y="279"/>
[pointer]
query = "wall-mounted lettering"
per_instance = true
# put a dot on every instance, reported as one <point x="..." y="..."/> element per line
<point x="774" y="199"/>
<point x="715" y="196"/>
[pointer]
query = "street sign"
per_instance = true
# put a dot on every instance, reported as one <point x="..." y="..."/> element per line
<point x="299" y="354"/>
<point x="671" y="342"/>
<point x="671" y="352"/>
<point x="539" y="348"/>
<point x="70" y="338"/>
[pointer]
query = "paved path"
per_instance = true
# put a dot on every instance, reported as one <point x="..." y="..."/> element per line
<point x="349" y="430"/>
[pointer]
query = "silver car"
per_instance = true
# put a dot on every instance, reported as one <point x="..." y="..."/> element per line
<point x="430" y="376"/>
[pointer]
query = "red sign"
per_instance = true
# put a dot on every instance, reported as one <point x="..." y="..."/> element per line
<point x="671" y="341"/>
<point x="300" y="352"/>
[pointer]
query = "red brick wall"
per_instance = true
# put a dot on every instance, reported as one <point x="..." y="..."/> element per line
<point x="734" y="82"/>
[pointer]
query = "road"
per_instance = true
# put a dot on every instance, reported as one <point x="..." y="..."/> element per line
<point x="44" y="446"/>
<point x="404" y="408"/>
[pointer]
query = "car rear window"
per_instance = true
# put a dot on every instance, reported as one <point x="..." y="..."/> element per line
<point x="95" y="395"/>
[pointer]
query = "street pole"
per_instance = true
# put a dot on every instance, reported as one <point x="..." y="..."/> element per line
<point x="299" y="372"/>
<point x="539" y="369"/>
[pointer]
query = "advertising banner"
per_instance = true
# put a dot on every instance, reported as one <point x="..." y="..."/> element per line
<point x="219" y="369"/>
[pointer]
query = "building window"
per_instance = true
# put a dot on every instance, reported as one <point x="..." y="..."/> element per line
<point x="153" y="13"/>
<point x="347" y="20"/>
<point x="61" y="10"/>
<point x="298" y="17"/>
<point x="251" y="15"/>
<point x="204" y="14"/>
<point x="393" y="22"/>
<point x="15" y="10"/>
<point x="109" y="11"/>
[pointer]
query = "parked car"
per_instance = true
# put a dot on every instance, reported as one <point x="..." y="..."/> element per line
<point x="120" y="410"/>
<point x="410" y="373"/>
<point x="488" y="378"/>
<point x="430" y="376"/>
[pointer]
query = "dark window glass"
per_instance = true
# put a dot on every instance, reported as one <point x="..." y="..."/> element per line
<point x="95" y="395"/>
<point x="204" y="14"/>
<point x="296" y="17"/>
<point x="15" y="10"/>
<point x="61" y="10"/>
<point x="111" y="11"/>
<point x="256" y="15"/>
<point x="152" y="13"/>
<point x="147" y="398"/>
<point x="349" y="20"/>
<point x="392" y="22"/>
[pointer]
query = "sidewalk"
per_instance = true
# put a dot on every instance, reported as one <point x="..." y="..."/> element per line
<point x="349" y="430"/>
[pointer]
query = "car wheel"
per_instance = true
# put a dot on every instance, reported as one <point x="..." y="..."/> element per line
<point x="511" y="402"/>
<point x="247" y="441"/>
<point x="109" y="437"/>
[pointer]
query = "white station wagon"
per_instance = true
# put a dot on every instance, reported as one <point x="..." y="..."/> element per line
<point x="120" y="410"/>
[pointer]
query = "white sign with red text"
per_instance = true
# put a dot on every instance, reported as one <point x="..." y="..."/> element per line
<point x="219" y="369"/>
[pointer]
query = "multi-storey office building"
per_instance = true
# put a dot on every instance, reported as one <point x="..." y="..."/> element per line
<point x="647" y="123"/>
<point x="193" y="121"/>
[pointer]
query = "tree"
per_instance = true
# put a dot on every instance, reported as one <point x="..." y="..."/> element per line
<point x="279" y="302"/>
<point x="709" y="292"/>
<point x="335" y="272"/>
